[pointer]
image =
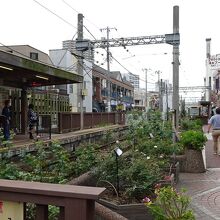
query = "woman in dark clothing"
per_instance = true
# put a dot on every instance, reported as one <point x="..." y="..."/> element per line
<point x="7" y="113"/>
<point x="32" y="120"/>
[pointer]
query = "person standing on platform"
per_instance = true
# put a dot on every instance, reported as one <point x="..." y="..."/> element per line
<point x="7" y="113"/>
<point x="32" y="120"/>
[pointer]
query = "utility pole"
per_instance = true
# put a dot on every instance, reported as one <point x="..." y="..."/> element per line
<point x="107" y="29"/>
<point x="161" y="95"/>
<point x="159" y="88"/>
<point x="146" y="98"/>
<point x="80" y="70"/>
<point x="176" y="67"/>
<point x="167" y="105"/>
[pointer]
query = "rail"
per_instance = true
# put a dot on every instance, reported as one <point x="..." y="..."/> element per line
<point x="75" y="202"/>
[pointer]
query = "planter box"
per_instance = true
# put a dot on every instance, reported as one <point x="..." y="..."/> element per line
<point x="129" y="211"/>
<point x="194" y="162"/>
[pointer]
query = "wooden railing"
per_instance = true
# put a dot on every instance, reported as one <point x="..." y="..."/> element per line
<point x="75" y="202"/>
<point x="69" y="121"/>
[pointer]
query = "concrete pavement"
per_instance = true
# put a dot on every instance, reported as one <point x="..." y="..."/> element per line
<point x="204" y="188"/>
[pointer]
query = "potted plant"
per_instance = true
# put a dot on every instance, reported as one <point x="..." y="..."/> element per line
<point x="193" y="142"/>
<point x="169" y="204"/>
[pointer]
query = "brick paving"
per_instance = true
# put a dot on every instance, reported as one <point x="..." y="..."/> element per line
<point x="204" y="188"/>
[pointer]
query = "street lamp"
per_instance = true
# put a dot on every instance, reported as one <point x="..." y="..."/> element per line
<point x="118" y="153"/>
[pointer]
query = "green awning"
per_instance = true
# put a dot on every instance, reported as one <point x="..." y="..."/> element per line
<point x="20" y="72"/>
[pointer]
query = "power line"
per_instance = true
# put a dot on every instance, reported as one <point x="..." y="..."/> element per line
<point x="79" y="13"/>
<point x="70" y="6"/>
<point x="66" y="50"/>
<point x="67" y="22"/>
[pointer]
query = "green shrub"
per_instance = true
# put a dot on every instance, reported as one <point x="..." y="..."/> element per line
<point x="193" y="139"/>
<point x="191" y="124"/>
<point x="170" y="205"/>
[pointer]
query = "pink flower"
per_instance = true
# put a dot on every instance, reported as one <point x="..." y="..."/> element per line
<point x="167" y="178"/>
<point x="157" y="186"/>
<point x="146" y="200"/>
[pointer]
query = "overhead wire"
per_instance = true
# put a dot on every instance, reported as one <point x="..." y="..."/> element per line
<point x="66" y="51"/>
<point x="85" y="28"/>
<point x="67" y="22"/>
<point x="119" y="62"/>
<point x="96" y="39"/>
<point x="79" y="13"/>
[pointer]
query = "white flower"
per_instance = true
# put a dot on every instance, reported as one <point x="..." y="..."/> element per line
<point x="117" y="142"/>
<point x="136" y="150"/>
<point x="155" y="146"/>
<point x="161" y="156"/>
<point x="143" y="153"/>
<point x="148" y="158"/>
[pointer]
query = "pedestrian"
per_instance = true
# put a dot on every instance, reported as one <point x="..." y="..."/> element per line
<point x="214" y="123"/>
<point x="213" y="110"/>
<point x="32" y="120"/>
<point x="6" y="111"/>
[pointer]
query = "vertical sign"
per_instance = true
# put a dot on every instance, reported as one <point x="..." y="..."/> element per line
<point x="11" y="210"/>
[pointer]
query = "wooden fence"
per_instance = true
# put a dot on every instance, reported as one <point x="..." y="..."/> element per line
<point x="69" y="121"/>
<point x="75" y="202"/>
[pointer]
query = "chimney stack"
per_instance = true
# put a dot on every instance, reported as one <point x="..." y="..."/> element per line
<point x="208" y="47"/>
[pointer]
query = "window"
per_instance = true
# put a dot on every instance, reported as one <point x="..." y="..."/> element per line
<point x="34" y="56"/>
<point x="71" y="88"/>
<point x="84" y="85"/>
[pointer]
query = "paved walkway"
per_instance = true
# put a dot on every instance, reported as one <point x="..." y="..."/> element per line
<point x="204" y="188"/>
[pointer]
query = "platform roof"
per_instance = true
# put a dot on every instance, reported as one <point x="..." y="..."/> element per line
<point x="20" y="72"/>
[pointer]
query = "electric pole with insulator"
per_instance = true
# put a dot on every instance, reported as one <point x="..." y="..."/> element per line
<point x="107" y="29"/>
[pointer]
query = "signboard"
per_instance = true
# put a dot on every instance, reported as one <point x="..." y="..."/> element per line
<point x="194" y="111"/>
<point x="11" y="210"/>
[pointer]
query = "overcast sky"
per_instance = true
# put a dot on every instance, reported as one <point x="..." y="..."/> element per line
<point x="26" y="22"/>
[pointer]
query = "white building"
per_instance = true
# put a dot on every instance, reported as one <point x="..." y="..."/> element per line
<point x="65" y="60"/>
<point x="212" y="74"/>
<point x="133" y="79"/>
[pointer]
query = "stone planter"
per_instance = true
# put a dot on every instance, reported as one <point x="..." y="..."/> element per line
<point x="194" y="162"/>
<point x="129" y="211"/>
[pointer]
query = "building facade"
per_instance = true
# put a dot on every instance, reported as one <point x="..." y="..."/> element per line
<point x="121" y="92"/>
<point x="212" y="78"/>
<point x="66" y="60"/>
<point x="133" y="79"/>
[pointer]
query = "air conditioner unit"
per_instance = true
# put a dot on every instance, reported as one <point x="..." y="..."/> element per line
<point x="84" y="92"/>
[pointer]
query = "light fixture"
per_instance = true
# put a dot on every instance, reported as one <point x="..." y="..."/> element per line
<point x="42" y="77"/>
<point x="118" y="151"/>
<point x="6" y="68"/>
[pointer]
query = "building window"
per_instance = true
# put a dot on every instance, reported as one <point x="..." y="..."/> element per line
<point x="71" y="88"/>
<point x="34" y="56"/>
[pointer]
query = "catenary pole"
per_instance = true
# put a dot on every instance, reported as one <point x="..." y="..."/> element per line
<point x="80" y="70"/>
<point x="176" y="67"/>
